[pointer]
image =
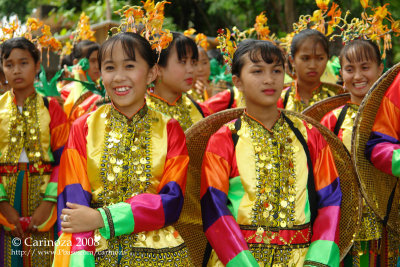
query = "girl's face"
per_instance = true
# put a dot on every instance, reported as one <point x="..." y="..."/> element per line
<point x="260" y="82"/>
<point x="125" y="79"/>
<point x="310" y="61"/>
<point x="20" y="69"/>
<point x="93" y="71"/>
<point x="203" y="66"/>
<point x="178" y="75"/>
<point x="358" y="77"/>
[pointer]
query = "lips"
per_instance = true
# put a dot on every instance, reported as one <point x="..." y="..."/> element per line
<point x="122" y="90"/>
<point x="189" y="81"/>
<point x="269" y="91"/>
<point x="18" y="80"/>
<point x="360" y="85"/>
<point x="312" y="73"/>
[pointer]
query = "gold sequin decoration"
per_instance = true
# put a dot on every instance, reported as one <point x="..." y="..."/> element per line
<point x="24" y="132"/>
<point x="124" y="172"/>
<point x="275" y="198"/>
<point x="318" y="94"/>
<point x="180" y="111"/>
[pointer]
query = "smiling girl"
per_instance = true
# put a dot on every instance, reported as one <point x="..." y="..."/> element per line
<point x="123" y="173"/>
<point x="33" y="132"/>
<point x="309" y="55"/>
<point x="361" y="66"/>
<point x="258" y="188"/>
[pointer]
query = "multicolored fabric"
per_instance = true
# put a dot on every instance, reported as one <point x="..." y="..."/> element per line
<point x="42" y="130"/>
<point x="264" y="189"/>
<point x="85" y="104"/>
<point x="134" y="171"/>
<point x="230" y="98"/>
<point x="293" y="101"/>
<point x="186" y="111"/>
<point x="344" y="134"/>
<point x="383" y="147"/>
<point x="365" y="249"/>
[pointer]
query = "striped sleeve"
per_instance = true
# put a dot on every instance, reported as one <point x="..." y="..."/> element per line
<point x="218" y="222"/>
<point x="324" y="249"/>
<point x="383" y="146"/>
<point x="147" y="212"/>
<point x="74" y="187"/>
<point x="59" y="130"/>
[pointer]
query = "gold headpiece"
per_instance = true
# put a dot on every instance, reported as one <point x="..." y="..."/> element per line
<point x="44" y="38"/>
<point x="373" y="26"/>
<point x="200" y="38"/>
<point x="146" y="21"/>
<point x="228" y="41"/>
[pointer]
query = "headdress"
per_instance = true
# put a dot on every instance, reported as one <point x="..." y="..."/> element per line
<point x="200" y="38"/>
<point x="146" y="21"/>
<point x="228" y="40"/>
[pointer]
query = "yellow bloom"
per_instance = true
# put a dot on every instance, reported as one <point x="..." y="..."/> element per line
<point x="322" y="4"/>
<point x="364" y="3"/>
<point x="189" y="32"/>
<point x="381" y="12"/>
<point x="396" y="27"/>
<point x="33" y="24"/>
<point x="261" y="19"/>
<point x="201" y="40"/>
<point x="148" y="5"/>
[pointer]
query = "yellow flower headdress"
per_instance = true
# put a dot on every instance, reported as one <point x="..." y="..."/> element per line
<point x="373" y="26"/>
<point x="228" y="41"/>
<point x="146" y="21"/>
<point x="34" y="30"/>
<point x="324" y="20"/>
<point x="200" y="38"/>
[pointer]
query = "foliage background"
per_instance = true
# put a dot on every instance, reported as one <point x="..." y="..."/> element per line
<point x="205" y="16"/>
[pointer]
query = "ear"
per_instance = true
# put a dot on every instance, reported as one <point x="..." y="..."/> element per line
<point x="37" y="67"/>
<point x="291" y="60"/>
<point x="152" y="74"/>
<point x="237" y="82"/>
<point x="380" y="69"/>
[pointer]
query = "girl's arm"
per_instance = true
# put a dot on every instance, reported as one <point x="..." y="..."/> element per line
<point x="220" y="227"/>
<point x="324" y="249"/>
<point x="75" y="249"/>
<point x="147" y="212"/>
<point x="383" y="147"/>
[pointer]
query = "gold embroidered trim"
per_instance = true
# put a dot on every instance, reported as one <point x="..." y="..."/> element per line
<point x="180" y="111"/>
<point x="318" y="94"/>
<point x="126" y="160"/>
<point x="24" y="131"/>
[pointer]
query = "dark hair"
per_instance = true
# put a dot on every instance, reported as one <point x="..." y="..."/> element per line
<point x="269" y="53"/>
<point x="216" y="53"/>
<point x="359" y="50"/>
<point x="84" y="49"/>
<point x="183" y="44"/>
<point x="21" y="43"/>
<point x="314" y="35"/>
<point x="131" y="42"/>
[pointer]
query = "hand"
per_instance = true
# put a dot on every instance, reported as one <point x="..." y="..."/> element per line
<point x="41" y="214"/>
<point x="80" y="218"/>
<point x="12" y="217"/>
<point x="200" y="86"/>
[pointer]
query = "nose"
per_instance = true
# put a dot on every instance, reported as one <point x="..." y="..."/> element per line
<point x="268" y="79"/>
<point x="190" y="66"/>
<point x="17" y="69"/>
<point x="119" y="76"/>
<point x="357" y="74"/>
<point x="313" y="63"/>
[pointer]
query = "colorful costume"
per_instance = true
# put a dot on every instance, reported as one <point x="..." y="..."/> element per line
<point x="184" y="109"/>
<point x="290" y="98"/>
<point x="134" y="171"/>
<point x="258" y="196"/>
<point x="365" y="250"/>
<point x="32" y="140"/>
<point x="230" y="98"/>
